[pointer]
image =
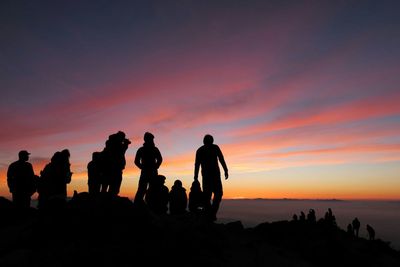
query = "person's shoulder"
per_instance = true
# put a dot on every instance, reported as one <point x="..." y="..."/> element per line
<point x="28" y="164"/>
<point x="201" y="148"/>
<point x="216" y="147"/>
<point x="13" y="164"/>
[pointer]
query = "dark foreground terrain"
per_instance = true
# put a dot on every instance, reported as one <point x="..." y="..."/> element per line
<point x="106" y="231"/>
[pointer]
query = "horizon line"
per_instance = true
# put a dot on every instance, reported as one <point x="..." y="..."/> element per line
<point x="281" y="199"/>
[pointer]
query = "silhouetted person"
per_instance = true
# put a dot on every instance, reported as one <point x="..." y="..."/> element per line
<point x="95" y="174"/>
<point x="196" y="197"/>
<point x="311" y="216"/>
<point x="113" y="162"/>
<point x="157" y="195"/>
<point x="148" y="159"/>
<point x="54" y="179"/>
<point x="356" y="226"/>
<point x="371" y="232"/>
<point x="65" y="173"/>
<point x="177" y="198"/>
<point x="302" y="216"/>
<point x="295" y="218"/>
<point x="21" y="180"/>
<point x="330" y="218"/>
<point x="207" y="157"/>
<point x="350" y="229"/>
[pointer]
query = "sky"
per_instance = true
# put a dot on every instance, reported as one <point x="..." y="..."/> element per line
<point x="302" y="97"/>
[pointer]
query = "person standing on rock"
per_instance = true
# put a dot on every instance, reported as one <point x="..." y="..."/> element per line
<point x="21" y="180"/>
<point x="148" y="159"/>
<point x="356" y="226"/>
<point x="207" y="157"/>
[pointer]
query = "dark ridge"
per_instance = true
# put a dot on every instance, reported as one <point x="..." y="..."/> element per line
<point x="107" y="230"/>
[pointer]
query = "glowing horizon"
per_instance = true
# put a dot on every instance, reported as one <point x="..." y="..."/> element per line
<point x="303" y="98"/>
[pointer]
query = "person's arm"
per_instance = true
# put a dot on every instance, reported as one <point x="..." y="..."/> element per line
<point x="138" y="156"/>
<point x="10" y="178"/>
<point x="31" y="172"/>
<point x="158" y="158"/>
<point x="222" y="161"/>
<point x="197" y="165"/>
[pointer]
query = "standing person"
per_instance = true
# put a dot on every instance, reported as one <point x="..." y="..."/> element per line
<point x="207" y="157"/>
<point x="356" y="226"/>
<point x="65" y="173"/>
<point x="94" y="173"/>
<point x="148" y="158"/>
<point x="113" y="162"/>
<point x="21" y="180"/>
<point x="371" y="232"/>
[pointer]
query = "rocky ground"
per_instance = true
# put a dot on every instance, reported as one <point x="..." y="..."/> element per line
<point x="107" y="231"/>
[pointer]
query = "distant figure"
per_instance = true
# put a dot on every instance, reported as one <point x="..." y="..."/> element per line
<point x="148" y="159"/>
<point x="295" y="218"/>
<point x="157" y="195"/>
<point x="371" y="232"/>
<point x="207" y="157"/>
<point x="356" y="226"/>
<point x="21" y="180"/>
<point x="350" y="230"/>
<point x="177" y="199"/>
<point x="113" y="162"/>
<point x="330" y="218"/>
<point x="95" y="174"/>
<point x="302" y="216"/>
<point x="196" y="197"/>
<point x="311" y="216"/>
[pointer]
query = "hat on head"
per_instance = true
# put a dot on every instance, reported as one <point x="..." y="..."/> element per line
<point x="23" y="153"/>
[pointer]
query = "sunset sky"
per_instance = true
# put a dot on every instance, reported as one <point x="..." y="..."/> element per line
<point x="303" y="97"/>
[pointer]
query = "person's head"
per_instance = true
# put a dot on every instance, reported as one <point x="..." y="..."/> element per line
<point x="121" y="135"/>
<point x="23" y="155"/>
<point x="208" y="139"/>
<point x="161" y="179"/>
<point x="66" y="153"/>
<point x="178" y="183"/>
<point x="148" y="137"/>
<point x="195" y="186"/>
<point x="57" y="157"/>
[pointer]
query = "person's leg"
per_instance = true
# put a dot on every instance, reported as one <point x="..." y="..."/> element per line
<point x="142" y="187"/>
<point x="207" y="194"/>
<point x="116" y="183"/>
<point x="218" y="192"/>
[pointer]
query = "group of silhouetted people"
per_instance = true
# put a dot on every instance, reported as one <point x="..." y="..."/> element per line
<point x="105" y="176"/>
<point x="106" y="167"/>
<point x="353" y="229"/>
<point x="152" y="190"/>
<point x="329" y="219"/>
<point x="52" y="184"/>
